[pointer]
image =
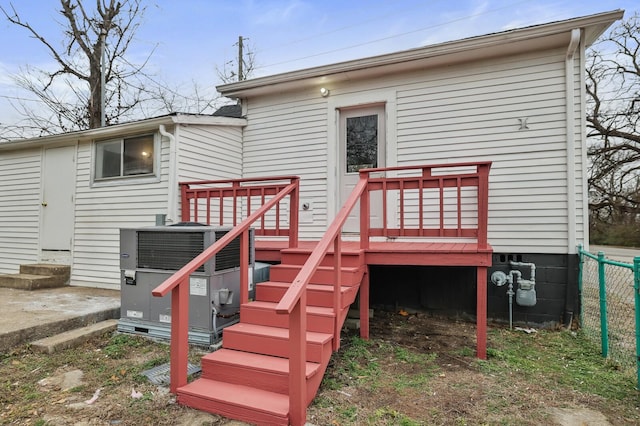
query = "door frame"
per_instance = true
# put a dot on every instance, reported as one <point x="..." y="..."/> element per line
<point x="337" y="102"/>
<point x="42" y="188"/>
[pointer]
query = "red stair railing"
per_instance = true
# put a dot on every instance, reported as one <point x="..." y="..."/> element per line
<point x="294" y="303"/>
<point x="178" y="283"/>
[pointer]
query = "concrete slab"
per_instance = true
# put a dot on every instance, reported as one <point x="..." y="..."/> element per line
<point x="73" y="338"/>
<point x="26" y="316"/>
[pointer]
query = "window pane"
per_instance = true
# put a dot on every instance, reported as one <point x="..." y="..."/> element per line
<point x="108" y="159"/>
<point x="138" y="155"/>
<point x="362" y="142"/>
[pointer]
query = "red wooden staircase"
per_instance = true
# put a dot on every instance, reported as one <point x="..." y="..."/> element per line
<point x="272" y="362"/>
<point x="248" y="379"/>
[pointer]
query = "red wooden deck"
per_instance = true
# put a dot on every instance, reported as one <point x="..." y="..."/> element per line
<point x="411" y="253"/>
<point x="279" y="350"/>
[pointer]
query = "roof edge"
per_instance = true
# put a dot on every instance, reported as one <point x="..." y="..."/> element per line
<point x="146" y="124"/>
<point x="599" y="22"/>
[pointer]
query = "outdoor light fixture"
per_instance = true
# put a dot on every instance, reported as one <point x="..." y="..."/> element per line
<point x="324" y="92"/>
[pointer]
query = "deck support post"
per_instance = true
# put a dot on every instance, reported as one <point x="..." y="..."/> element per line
<point x="180" y="333"/>
<point x="298" y="362"/>
<point x="481" y="312"/>
<point x="244" y="267"/>
<point x="364" y="305"/>
<point x="184" y="199"/>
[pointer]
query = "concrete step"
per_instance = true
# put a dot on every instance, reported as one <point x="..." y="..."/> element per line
<point x="63" y="271"/>
<point x="27" y="316"/>
<point x="73" y="338"/>
<point x="29" y="281"/>
<point x="37" y="276"/>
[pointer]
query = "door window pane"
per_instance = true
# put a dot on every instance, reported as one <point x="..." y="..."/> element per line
<point x="362" y="142"/>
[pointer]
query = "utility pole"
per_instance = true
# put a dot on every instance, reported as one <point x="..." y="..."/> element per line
<point x="240" y="59"/>
<point x="103" y="66"/>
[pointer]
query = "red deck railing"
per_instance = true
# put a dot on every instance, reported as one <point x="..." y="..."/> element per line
<point x="228" y="202"/>
<point x="437" y="202"/>
<point x="178" y="283"/>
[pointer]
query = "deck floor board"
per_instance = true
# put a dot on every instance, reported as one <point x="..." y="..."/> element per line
<point x="419" y="253"/>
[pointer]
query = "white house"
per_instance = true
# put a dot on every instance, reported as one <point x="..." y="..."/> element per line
<point x="63" y="198"/>
<point x="515" y="98"/>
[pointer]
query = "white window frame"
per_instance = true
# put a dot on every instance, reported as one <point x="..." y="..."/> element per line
<point x="154" y="176"/>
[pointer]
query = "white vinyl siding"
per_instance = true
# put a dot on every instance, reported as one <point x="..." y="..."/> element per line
<point x="288" y="136"/>
<point x="209" y="152"/>
<point x="19" y="208"/>
<point x="474" y="113"/>
<point x="469" y="112"/>
<point x="100" y="213"/>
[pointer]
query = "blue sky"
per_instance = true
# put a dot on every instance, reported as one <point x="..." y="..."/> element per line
<point x="193" y="37"/>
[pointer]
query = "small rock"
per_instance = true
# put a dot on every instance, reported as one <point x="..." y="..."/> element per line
<point x="63" y="381"/>
<point x="578" y="417"/>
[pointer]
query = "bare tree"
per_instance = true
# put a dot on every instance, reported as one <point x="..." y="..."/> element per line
<point x="613" y="116"/>
<point x="89" y="36"/>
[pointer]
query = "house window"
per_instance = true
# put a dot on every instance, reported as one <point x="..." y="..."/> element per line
<point x="125" y="157"/>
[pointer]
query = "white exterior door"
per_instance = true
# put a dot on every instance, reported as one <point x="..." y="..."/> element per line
<point x="362" y="146"/>
<point x="58" y="190"/>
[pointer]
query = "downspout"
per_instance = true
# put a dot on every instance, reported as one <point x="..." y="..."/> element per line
<point x="172" y="201"/>
<point x="574" y="43"/>
<point x="570" y="131"/>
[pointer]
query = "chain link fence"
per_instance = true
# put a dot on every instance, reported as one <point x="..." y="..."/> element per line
<point x="609" y="315"/>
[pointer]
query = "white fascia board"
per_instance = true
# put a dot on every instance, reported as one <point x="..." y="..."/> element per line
<point x="443" y="53"/>
<point x="120" y="130"/>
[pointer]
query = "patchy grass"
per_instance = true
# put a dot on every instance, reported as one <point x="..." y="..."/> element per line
<point x="558" y="359"/>
<point x="423" y="371"/>
<point x="415" y="370"/>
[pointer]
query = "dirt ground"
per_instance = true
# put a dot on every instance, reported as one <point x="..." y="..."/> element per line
<point x="441" y="383"/>
<point x="458" y="390"/>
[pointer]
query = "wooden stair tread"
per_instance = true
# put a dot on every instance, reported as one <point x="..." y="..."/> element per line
<point x="256" y="361"/>
<point x="307" y="251"/>
<point x="282" y="333"/>
<point x="315" y="310"/>
<point x="317" y="294"/>
<point x="317" y="287"/>
<point x="238" y="395"/>
<point x="320" y="268"/>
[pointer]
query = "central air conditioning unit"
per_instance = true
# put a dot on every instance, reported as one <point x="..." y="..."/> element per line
<point x="150" y="255"/>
